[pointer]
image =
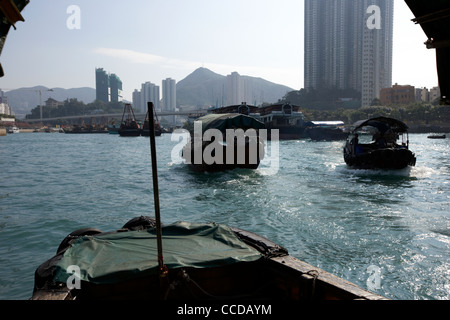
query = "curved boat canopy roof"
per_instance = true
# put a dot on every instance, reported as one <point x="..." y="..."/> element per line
<point x="226" y="121"/>
<point x="324" y="123"/>
<point x="383" y="124"/>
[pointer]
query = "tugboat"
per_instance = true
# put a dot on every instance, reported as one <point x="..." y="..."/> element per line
<point x="383" y="152"/>
<point x="129" y="126"/>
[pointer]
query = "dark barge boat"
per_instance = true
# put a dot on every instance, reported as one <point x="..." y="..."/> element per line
<point x="284" y="117"/>
<point x="383" y="152"/>
<point x="129" y="127"/>
<point x="146" y="127"/>
<point x="326" y="130"/>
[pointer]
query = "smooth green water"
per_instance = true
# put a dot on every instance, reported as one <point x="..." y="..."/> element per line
<point x="341" y="220"/>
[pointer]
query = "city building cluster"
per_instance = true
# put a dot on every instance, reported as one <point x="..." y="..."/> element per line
<point x="406" y="94"/>
<point x="150" y="92"/>
<point x="348" y="46"/>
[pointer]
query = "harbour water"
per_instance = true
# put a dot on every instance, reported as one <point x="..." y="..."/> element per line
<point x="386" y="231"/>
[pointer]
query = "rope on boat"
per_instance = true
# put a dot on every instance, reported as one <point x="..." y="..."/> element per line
<point x="314" y="274"/>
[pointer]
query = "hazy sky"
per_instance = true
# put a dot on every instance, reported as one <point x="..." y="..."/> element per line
<point x="150" y="40"/>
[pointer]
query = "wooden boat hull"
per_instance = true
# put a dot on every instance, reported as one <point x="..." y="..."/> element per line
<point x="146" y="133"/>
<point x="387" y="158"/>
<point x="129" y="132"/>
<point x="274" y="276"/>
<point x="252" y="158"/>
<point x="326" y="134"/>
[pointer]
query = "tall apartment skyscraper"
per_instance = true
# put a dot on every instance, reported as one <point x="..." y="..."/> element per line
<point x="115" y="85"/>
<point x="348" y="45"/>
<point x="149" y="93"/>
<point x="107" y="86"/>
<point x="234" y="89"/>
<point x="101" y="85"/>
<point x="169" y="91"/>
<point x="239" y="89"/>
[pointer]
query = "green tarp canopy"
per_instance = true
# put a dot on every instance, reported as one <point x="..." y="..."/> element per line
<point x="229" y="121"/>
<point x="116" y="257"/>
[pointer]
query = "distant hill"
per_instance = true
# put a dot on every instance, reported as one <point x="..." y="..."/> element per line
<point x="23" y="100"/>
<point x="203" y="87"/>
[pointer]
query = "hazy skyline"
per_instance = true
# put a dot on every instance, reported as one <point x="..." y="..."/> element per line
<point x="144" y="40"/>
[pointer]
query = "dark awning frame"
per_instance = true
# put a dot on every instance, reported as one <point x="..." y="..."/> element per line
<point x="383" y="124"/>
<point x="434" y="18"/>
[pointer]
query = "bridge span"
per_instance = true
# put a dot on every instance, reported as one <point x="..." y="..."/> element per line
<point x="139" y="116"/>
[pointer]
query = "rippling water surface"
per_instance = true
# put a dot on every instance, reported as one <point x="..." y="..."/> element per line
<point x="348" y="222"/>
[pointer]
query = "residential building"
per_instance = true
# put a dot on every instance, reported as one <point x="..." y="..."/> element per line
<point x="348" y="45"/>
<point x="5" y="109"/>
<point x="3" y="98"/>
<point x="425" y="95"/>
<point x="435" y="93"/>
<point x="52" y="103"/>
<point x="101" y="85"/>
<point x="150" y="92"/>
<point x="108" y="86"/>
<point x="398" y="95"/>
<point x="136" y="100"/>
<point x="240" y="89"/>
<point x="115" y="85"/>
<point x="422" y="95"/>
<point x="169" y="91"/>
<point x="234" y="89"/>
<point x="169" y="98"/>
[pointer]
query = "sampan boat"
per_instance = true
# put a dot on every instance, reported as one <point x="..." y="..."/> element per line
<point x="383" y="152"/>
<point x="220" y="142"/>
<point x="201" y="261"/>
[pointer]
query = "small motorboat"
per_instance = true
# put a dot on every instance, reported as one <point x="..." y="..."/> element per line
<point x="14" y="129"/>
<point x="437" y="136"/>
<point x="384" y="152"/>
